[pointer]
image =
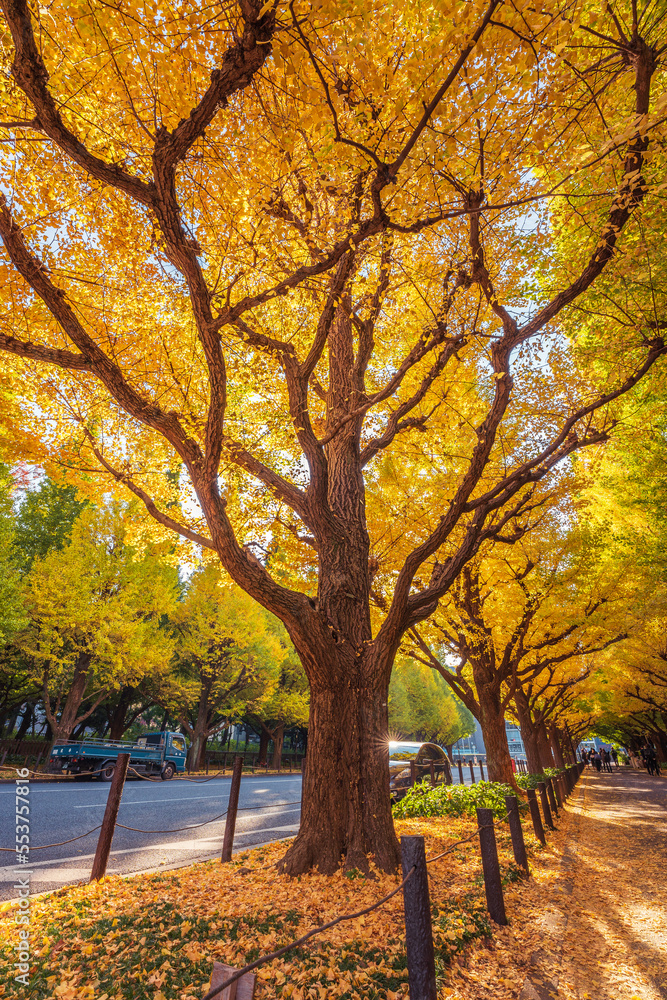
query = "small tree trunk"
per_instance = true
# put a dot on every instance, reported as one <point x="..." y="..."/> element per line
<point x="546" y="757"/>
<point x="492" y="721"/>
<point x="25" y="721"/>
<point x="346" y="809"/>
<point x="528" y="731"/>
<point x="556" y="747"/>
<point x="117" y="726"/>
<point x="263" y="746"/>
<point x="278" y="737"/>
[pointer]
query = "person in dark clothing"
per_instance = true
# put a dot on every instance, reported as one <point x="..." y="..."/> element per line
<point x="597" y="760"/>
<point x="606" y="760"/>
<point x="650" y="759"/>
<point x="614" y="757"/>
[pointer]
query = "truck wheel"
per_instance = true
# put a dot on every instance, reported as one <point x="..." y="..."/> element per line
<point x="107" y="770"/>
<point x="167" y="772"/>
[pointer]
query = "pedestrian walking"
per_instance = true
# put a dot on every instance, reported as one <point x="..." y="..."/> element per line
<point x="614" y="756"/>
<point x="606" y="760"/>
<point x="596" y="760"/>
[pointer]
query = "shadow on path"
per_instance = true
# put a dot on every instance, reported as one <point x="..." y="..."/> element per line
<point x="609" y="909"/>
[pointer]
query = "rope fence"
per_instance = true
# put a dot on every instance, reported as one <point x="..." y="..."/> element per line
<point x="305" y="937"/>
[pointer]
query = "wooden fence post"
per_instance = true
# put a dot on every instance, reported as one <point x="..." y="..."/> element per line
<point x="413" y="773"/>
<point x="232" y="807"/>
<point x="418" y="932"/>
<point x="546" y="809"/>
<point x="461" y="781"/>
<point x="552" y="797"/>
<point x="472" y="772"/>
<point x="535" y="816"/>
<point x="481" y="770"/>
<point x="492" y="881"/>
<point x="516" y="832"/>
<point x="558" y="791"/>
<point x="110" y="814"/>
<point x="448" y="773"/>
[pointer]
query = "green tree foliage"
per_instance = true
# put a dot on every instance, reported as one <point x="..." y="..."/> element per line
<point x="227" y="658"/>
<point x="16" y="685"/>
<point x="44" y="520"/>
<point x="421" y="706"/>
<point x="12" y="609"/>
<point x="288" y="705"/>
<point x="96" y="609"/>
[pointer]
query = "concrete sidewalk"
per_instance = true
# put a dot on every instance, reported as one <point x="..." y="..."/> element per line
<point x="604" y="922"/>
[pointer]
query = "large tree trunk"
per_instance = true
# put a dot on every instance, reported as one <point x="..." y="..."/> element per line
<point x="200" y="728"/>
<point x="346" y="810"/>
<point x="528" y="731"/>
<point x="546" y="757"/>
<point x="28" y="716"/>
<point x="278" y="737"/>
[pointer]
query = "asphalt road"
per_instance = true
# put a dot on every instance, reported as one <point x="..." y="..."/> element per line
<point x="269" y="809"/>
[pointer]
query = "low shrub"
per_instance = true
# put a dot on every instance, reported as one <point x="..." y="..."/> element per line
<point x="532" y="780"/>
<point x="453" y="800"/>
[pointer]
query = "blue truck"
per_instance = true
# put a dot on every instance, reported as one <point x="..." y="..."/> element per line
<point x="160" y="754"/>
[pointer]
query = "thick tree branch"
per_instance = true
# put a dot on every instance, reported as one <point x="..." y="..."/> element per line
<point x="126" y="480"/>
<point x="42" y="353"/>
<point x="36" y="276"/>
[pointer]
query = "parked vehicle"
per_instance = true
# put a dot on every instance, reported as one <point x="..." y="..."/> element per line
<point x="401" y="756"/>
<point x="155" y="753"/>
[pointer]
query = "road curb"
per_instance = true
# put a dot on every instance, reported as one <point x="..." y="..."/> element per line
<point x="57" y="780"/>
<point x="6" y="904"/>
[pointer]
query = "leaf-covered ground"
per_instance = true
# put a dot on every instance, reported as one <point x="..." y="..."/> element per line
<point x="156" y="936"/>
<point x="590" y="922"/>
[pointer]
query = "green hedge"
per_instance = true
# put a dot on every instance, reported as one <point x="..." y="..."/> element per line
<point x="453" y="800"/>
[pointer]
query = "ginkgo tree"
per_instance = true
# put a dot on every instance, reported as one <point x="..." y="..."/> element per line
<point x="517" y="623"/>
<point x="257" y="255"/>
<point x="94" y="614"/>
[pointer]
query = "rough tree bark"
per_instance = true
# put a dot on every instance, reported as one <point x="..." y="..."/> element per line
<point x="63" y="724"/>
<point x="556" y="748"/>
<point x="119" y="714"/>
<point x="264" y="740"/>
<point x="528" y="731"/>
<point x="544" y="746"/>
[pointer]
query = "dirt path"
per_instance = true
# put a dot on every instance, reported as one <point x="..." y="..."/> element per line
<point x="592" y="922"/>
